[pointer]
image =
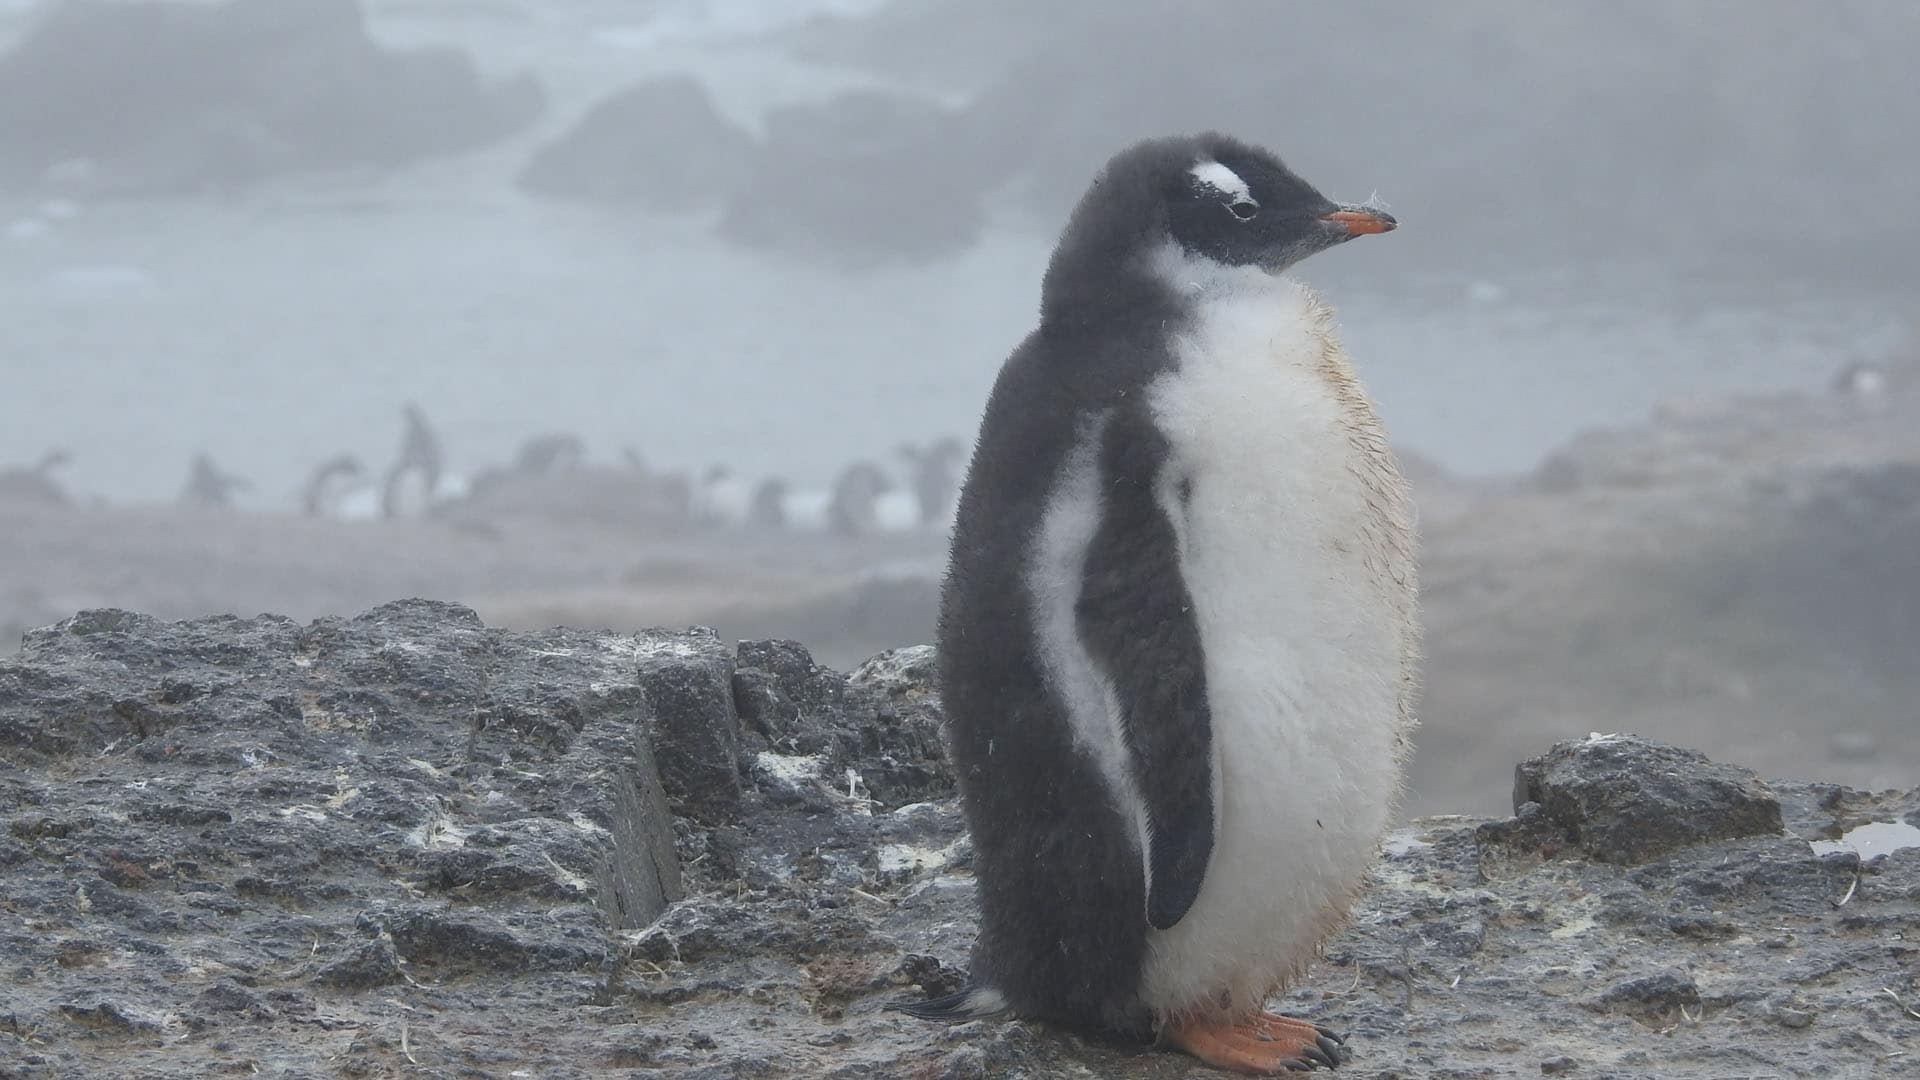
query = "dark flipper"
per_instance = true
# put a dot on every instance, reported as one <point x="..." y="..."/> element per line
<point x="1136" y="620"/>
<point x="972" y="1003"/>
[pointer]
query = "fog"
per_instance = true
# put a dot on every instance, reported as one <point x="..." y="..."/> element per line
<point x="691" y="302"/>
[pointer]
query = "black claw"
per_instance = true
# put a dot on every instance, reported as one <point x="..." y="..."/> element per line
<point x="1329" y="1048"/>
<point x="1325" y="1031"/>
<point x="1319" y="1057"/>
<point x="1296" y="1065"/>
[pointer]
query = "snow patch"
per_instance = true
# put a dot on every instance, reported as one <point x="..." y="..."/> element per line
<point x="788" y="770"/>
<point x="584" y="824"/>
<point x="1573" y="927"/>
<point x="897" y="858"/>
<point x="437" y="833"/>
<point x="1402" y="842"/>
<point x="567" y="877"/>
<point x="649" y="648"/>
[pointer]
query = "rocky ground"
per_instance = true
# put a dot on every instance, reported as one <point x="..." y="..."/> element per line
<point x="405" y="844"/>
<point x="1734" y="575"/>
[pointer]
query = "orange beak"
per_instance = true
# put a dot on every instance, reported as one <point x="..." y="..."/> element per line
<point x="1360" y="221"/>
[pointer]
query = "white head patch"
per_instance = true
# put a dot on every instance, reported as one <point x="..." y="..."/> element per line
<point x="1222" y="179"/>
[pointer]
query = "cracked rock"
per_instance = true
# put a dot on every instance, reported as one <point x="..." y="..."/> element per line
<point x="1624" y="799"/>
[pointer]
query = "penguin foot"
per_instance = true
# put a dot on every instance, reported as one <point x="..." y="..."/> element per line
<point x="1263" y="1046"/>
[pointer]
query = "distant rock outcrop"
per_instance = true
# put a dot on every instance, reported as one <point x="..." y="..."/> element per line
<point x="151" y="97"/>
<point x="657" y="145"/>
<point x="405" y="842"/>
<point x="867" y="177"/>
<point x="1595" y="107"/>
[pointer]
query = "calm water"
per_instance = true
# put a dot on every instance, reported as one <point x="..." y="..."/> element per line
<point x="290" y="325"/>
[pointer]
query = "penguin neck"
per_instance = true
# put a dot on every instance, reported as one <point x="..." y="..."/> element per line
<point x="1098" y="280"/>
<point x="1163" y="284"/>
<point x="1198" y="280"/>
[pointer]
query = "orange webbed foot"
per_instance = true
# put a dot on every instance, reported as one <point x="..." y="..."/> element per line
<point x="1266" y="1045"/>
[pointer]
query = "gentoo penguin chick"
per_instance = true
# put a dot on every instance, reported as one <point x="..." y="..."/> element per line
<point x="1178" y="635"/>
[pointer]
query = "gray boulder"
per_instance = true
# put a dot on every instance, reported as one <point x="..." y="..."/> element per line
<point x="657" y="145"/>
<point x="865" y="178"/>
<point x="1623" y="799"/>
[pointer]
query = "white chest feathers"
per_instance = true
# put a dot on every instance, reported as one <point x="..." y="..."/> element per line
<point x="1298" y="552"/>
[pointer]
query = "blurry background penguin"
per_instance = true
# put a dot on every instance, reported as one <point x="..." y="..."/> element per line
<point x="209" y="486"/>
<point x="413" y="481"/>
<point x="933" y="475"/>
<point x="327" y="489"/>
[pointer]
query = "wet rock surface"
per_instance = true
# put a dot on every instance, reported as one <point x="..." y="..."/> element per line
<point x="408" y="844"/>
<point x="1622" y="799"/>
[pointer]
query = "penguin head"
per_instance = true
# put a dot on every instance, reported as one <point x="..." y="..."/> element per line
<point x="1209" y="198"/>
<point x="1239" y="205"/>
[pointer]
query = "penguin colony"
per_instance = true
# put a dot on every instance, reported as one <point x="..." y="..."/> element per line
<point x="1178" y="636"/>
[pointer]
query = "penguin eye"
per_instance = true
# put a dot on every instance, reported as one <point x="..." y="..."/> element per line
<point x="1244" y="210"/>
